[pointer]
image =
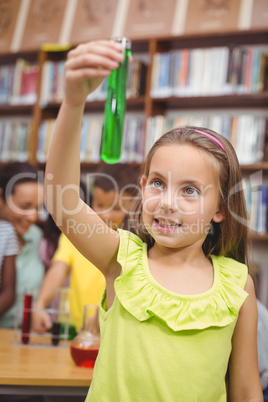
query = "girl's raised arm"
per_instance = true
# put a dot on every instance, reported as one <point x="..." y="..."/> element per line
<point x="244" y="380"/>
<point x="85" y="68"/>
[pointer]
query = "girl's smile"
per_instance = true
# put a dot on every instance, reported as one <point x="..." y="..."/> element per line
<point x="166" y="225"/>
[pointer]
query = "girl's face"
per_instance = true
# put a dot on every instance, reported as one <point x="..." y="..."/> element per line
<point x="23" y="206"/>
<point x="180" y="196"/>
<point x="110" y="206"/>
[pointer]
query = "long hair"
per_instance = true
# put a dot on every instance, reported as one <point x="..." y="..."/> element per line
<point x="229" y="237"/>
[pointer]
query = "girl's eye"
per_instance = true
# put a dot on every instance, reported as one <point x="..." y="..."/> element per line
<point x="157" y="183"/>
<point x="191" y="191"/>
<point x="25" y="207"/>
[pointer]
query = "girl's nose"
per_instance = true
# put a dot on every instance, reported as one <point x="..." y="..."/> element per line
<point x="168" y="202"/>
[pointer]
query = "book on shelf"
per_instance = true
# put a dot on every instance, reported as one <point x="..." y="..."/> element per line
<point x="24" y="133"/>
<point x="6" y="139"/>
<point x="24" y="82"/>
<point x="249" y="144"/>
<point x="149" y="18"/>
<point x="136" y="78"/>
<point x="40" y="152"/>
<point x="259" y="15"/>
<point x="4" y="83"/>
<point x="262" y="211"/>
<point x="14" y="139"/>
<point x="9" y="11"/>
<point x="45" y="134"/>
<point x="90" y="146"/>
<point x="28" y="85"/>
<point x="93" y="20"/>
<point x="256" y="196"/>
<point x="154" y="129"/>
<point x="18" y="82"/>
<point x="211" y="16"/>
<point x="133" y="138"/>
<point x="52" y="82"/>
<point x="210" y="71"/>
<point x="43" y="23"/>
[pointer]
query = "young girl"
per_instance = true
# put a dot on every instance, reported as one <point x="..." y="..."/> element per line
<point x="179" y="307"/>
<point x="8" y="253"/>
<point x="21" y="198"/>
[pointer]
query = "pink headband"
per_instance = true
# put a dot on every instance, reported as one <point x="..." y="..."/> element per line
<point x="211" y="137"/>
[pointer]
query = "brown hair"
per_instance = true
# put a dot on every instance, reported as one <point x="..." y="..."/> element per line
<point x="229" y="237"/>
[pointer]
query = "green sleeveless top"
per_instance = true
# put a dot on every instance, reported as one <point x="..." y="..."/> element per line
<point x="159" y="346"/>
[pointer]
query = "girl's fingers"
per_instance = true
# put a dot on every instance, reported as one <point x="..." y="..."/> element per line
<point x="86" y="73"/>
<point x="91" y="60"/>
<point x="101" y="44"/>
<point x="107" y="50"/>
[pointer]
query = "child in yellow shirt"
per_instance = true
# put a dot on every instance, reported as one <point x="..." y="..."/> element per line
<point x="114" y="188"/>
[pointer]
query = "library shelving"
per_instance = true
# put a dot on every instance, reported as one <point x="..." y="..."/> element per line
<point x="49" y="80"/>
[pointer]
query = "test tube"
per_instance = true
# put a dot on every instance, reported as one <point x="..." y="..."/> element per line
<point x="56" y="329"/>
<point x="115" y="107"/>
<point x="26" y="319"/>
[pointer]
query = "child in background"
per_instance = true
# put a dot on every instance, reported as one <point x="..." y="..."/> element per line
<point x="8" y="252"/>
<point x="49" y="242"/>
<point x="113" y="188"/>
<point x="21" y="200"/>
<point x="179" y="307"/>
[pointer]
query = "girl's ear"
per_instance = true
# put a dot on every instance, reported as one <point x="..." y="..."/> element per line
<point x="1" y="197"/>
<point x="143" y="182"/>
<point x="219" y="215"/>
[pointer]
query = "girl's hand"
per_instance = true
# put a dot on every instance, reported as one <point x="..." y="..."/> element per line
<point x="86" y="67"/>
<point x="41" y="321"/>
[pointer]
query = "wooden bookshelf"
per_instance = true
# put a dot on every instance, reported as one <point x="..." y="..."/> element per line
<point x="15" y="110"/>
<point x="256" y="166"/>
<point x="259" y="100"/>
<point x="259" y="237"/>
<point x="146" y="104"/>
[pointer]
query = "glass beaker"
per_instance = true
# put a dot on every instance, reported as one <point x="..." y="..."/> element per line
<point x="85" y="346"/>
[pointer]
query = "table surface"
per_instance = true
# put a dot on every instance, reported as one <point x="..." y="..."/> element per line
<point x="34" y="365"/>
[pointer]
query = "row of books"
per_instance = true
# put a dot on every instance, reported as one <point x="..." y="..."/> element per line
<point x="132" y="147"/>
<point x="52" y="84"/>
<point x="210" y="71"/>
<point x="257" y="206"/>
<point x="18" y="83"/>
<point x="246" y="130"/>
<point x="14" y="139"/>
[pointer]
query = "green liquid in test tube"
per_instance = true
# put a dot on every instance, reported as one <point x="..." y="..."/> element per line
<point x="115" y="107"/>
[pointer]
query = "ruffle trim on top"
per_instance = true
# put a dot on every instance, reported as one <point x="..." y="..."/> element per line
<point x="144" y="298"/>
